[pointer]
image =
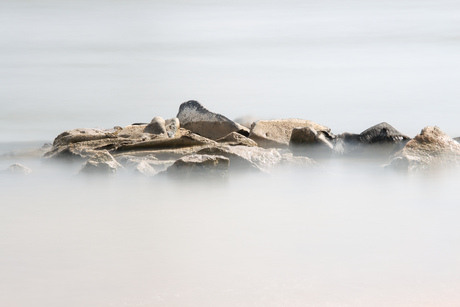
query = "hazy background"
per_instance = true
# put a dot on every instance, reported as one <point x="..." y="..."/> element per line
<point x="345" y="64"/>
<point x="343" y="234"/>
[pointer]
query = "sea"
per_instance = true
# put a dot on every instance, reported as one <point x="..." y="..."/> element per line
<point x="347" y="233"/>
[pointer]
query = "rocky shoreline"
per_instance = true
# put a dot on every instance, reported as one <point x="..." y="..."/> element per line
<point x="198" y="142"/>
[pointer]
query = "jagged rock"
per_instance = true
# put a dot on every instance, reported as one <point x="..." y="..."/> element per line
<point x="132" y="163"/>
<point x="277" y="133"/>
<point x="101" y="162"/>
<point x="196" y="118"/>
<point x="243" y="157"/>
<point x="156" y="126"/>
<point x="235" y="138"/>
<point x="199" y="166"/>
<point x="172" y="126"/>
<point x="18" y="169"/>
<point x="291" y="160"/>
<point x="431" y="149"/>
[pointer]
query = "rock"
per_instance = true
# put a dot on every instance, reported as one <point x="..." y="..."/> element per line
<point x="192" y="166"/>
<point x="172" y="127"/>
<point x="102" y="163"/>
<point x="430" y="150"/>
<point x="290" y="160"/>
<point x="84" y="134"/>
<point x="277" y="133"/>
<point x="307" y="140"/>
<point x="380" y="133"/>
<point x="380" y="140"/>
<point x="457" y="139"/>
<point x="18" y="169"/>
<point x="235" y="138"/>
<point x="137" y="164"/>
<point x="247" y="158"/>
<point x="187" y="139"/>
<point x="196" y="118"/>
<point x="144" y="168"/>
<point x="156" y="126"/>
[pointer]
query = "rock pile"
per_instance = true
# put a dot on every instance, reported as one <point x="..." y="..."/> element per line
<point x="199" y="142"/>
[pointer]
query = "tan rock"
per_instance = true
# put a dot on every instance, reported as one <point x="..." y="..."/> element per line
<point x="235" y="138"/>
<point x="277" y="133"/>
<point x="192" y="166"/>
<point x="430" y="150"/>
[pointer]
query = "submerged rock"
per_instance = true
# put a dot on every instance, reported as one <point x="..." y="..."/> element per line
<point x="102" y="163"/>
<point x="199" y="166"/>
<point x="380" y="140"/>
<point x="196" y="118"/>
<point x="277" y="133"/>
<point x="18" y="169"/>
<point x="307" y="140"/>
<point x="431" y="149"/>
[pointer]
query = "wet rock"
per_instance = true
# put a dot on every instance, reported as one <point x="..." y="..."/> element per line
<point x="156" y="126"/>
<point x="196" y="118"/>
<point x="235" y="138"/>
<point x="102" y="163"/>
<point x="430" y="150"/>
<point x="199" y="166"/>
<point x="18" y="169"/>
<point x="277" y="133"/>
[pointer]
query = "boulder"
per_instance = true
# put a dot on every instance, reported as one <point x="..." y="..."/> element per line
<point x="145" y="169"/>
<point x="379" y="140"/>
<point x="430" y="150"/>
<point x="18" y="169"/>
<point x="156" y="126"/>
<point x="102" y="163"/>
<point x="277" y="133"/>
<point x="196" y="118"/>
<point x="307" y="140"/>
<point x="235" y="138"/>
<point x="192" y="166"/>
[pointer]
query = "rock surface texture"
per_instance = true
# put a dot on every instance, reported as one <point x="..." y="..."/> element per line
<point x="277" y="133"/>
<point x="101" y="163"/>
<point x="430" y="150"/>
<point x="196" y="118"/>
<point x="199" y="166"/>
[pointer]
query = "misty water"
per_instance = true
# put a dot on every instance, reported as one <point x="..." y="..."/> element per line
<point x="346" y="233"/>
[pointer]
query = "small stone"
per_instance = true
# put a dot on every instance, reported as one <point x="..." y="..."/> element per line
<point x="101" y="163"/>
<point x="156" y="126"/>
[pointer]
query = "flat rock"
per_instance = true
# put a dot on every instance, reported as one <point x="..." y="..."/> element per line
<point x="102" y="163"/>
<point x="277" y="133"/>
<point x="84" y="134"/>
<point x="196" y="118"/>
<point x="196" y="165"/>
<point x="430" y="150"/>
<point x="235" y="138"/>
<point x="247" y="158"/>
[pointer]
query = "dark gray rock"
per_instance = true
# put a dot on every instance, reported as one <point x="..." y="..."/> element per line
<point x="196" y="118"/>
